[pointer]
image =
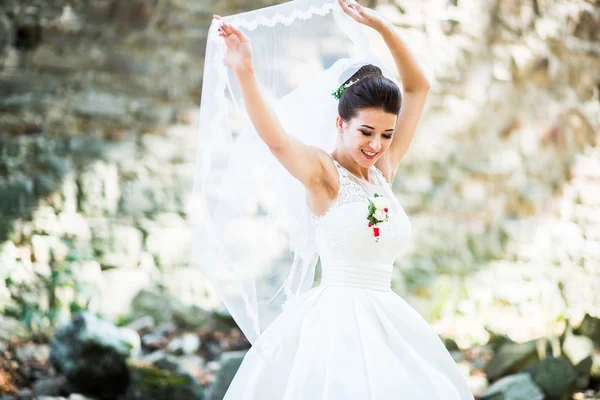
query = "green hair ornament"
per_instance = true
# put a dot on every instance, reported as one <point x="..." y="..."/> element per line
<point x="338" y="93"/>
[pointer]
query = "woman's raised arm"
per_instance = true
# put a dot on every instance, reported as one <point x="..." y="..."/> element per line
<point x="304" y="162"/>
<point x="415" y="85"/>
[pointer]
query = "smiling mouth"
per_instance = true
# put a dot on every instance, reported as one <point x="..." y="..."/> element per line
<point x="368" y="154"/>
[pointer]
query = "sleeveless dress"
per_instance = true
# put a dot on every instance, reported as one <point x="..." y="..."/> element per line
<point x="352" y="337"/>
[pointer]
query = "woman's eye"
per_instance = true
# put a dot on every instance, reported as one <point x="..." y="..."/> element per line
<point x="370" y="134"/>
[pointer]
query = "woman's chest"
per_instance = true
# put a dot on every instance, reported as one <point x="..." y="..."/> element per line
<point x="346" y="229"/>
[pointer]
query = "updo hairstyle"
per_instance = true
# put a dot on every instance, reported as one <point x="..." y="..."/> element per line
<point x="373" y="90"/>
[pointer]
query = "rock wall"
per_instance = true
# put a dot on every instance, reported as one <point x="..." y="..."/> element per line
<point x="505" y="154"/>
<point x="98" y="110"/>
<point x="97" y="126"/>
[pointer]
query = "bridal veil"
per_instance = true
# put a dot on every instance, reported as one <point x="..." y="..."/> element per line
<point x="252" y="233"/>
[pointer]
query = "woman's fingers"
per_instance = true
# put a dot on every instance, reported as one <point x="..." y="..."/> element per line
<point x="226" y="30"/>
<point x="223" y="27"/>
<point x="240" y="34"/>
<point x="344" y="5"/>
<point x="349" y="8"/>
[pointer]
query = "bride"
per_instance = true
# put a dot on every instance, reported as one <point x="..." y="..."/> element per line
<point x="350" y="337"/>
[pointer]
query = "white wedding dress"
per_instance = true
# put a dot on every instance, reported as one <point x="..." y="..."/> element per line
<point x="351" y="337"/>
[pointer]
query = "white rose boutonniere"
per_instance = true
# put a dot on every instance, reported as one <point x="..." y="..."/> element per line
<point x="378" y="212"/>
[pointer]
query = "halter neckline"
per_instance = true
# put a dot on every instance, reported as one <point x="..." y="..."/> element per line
<point x="360" y="179"/>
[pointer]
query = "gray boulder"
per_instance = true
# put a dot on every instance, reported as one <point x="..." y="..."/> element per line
<point x="230" y="362"/>
<point x="511" y="358"/>
<point x="555" y="376"/>
<point x="92" y="354"/>
<point x="514" y="387"/>
<point x="149" y="383"/>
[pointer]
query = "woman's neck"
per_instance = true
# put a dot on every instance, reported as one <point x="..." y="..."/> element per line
<point x="346" y="161"/>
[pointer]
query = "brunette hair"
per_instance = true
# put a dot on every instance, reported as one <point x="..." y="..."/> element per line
<point x="373" y="90"/>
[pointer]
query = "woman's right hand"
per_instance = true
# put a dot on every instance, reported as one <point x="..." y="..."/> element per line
<point x="239" y="51"/>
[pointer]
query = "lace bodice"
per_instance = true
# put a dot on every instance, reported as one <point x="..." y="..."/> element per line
<point x="343" y="234"/>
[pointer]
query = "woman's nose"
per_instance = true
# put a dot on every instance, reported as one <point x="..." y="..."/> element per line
<point x="376" y="144"/>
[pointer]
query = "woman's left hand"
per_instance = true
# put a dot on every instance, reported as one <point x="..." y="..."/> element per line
<point x="364" y="15"/>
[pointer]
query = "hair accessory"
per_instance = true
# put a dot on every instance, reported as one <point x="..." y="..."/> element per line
<point x="338" y="93"/>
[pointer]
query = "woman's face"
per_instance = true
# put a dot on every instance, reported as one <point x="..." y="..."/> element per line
<point x="368" y="135"/>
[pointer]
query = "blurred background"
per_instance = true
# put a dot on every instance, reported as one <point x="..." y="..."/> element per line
<point x="99" y="297"/>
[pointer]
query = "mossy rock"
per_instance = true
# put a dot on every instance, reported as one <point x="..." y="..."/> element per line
<point x="555" y="376"/>
<point x="511" y="358"/>
<point x="514" y="387"/>
<point x="590" y="327"/>
<point x="148" y="383"/>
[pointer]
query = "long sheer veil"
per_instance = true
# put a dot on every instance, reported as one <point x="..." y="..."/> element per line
<point x="253" y="237"/>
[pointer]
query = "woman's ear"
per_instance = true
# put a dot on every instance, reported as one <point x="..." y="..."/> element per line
<point x="339" y="123"/>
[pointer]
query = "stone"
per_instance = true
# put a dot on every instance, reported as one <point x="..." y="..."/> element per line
<point x="230" y="362"/>
<point x="16" y="101"/>
<point x="554" y="375"/>
<point x="125" y="64"/>
<point x="121" y="286"/>
<point x="170" y="242"/>
<point x="16" y="197"/>
<point x="101" y="105"/>
<point x="99" y="11"/>
<point x="92" y="354"/>
<point x="510" y="358"/>
<point x="46" y="248"/>
<point x="99" y="189"/>
<point x="156" y="114"/>
<point x="514" y="387"/>
<point x="49" y="386"/>
<point x="142" y="195"/>
<point x="45" y="221"/>
<point x="44" y="184"/>
<point x="142" y="323"/>
<point x="33" y="352"/>
<point x="164" y="308"/>
<point x="590" y="327"/>
<point x="132" y="14"/>
<point x="577" y="348"/>
<point x="116" y="245"/>
<point x="188" y="364"/>
<point x="11" y="328"/>
<point x="154" y="341"/>
<point x="190" y="286"/>
<point x="73" y="396"/>
<point x="185" y="344"/>
<point x="148" y="383"/>
<point x="587" y="26"/>
<point x="87" y="275"/>
<point x="60" y="60"/>
<point x="74" y="226"/>
<point x="153" y="304"/>
<point x="160" y="147"/>
<point x="25" y="394"/>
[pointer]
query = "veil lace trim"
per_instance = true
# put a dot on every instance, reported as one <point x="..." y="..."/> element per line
<point x="280" y="18"/>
